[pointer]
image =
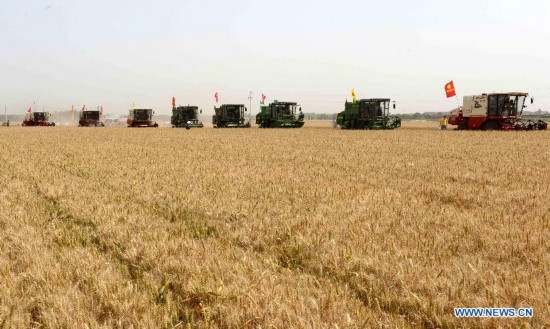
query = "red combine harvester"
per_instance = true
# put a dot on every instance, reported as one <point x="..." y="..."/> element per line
<point x="498" y="111"/>
<point x="91" y="118"/>
<point x="141" y="118"/>
<point x="37" y="119"/>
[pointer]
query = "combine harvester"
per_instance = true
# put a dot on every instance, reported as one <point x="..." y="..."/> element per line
<point x="91" y="118"/>
<point x="141" y="118"/>
<point x="280" y="115"/>
<point x="37" y="119"/>
<point x="185" y="116"/>
<point x="372" y="113"/>
<point x="499" y="111"/>
<point x="230" y="116"/>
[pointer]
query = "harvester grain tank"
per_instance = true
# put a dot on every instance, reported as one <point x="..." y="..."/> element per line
<point x="372" y="113"/>
<point x="497" y="111"/>
<point x="37" y="119"/>
<point x="91" y="118"/>
<point x="141" y="118"/>
<point x="186" y="116"/>
<point x="230" y="116"/>
<point x="280" y="115"/>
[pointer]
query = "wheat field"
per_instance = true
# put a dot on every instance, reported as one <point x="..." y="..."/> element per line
<point x="253" y="228"/>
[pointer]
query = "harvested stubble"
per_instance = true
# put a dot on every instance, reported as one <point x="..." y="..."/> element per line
<point x="116" y="227"/>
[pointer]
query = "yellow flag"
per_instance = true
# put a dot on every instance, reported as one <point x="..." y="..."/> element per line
<point x="353" y="94"/>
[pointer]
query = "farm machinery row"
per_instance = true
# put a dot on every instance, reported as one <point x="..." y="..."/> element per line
<point x="488" y="111"/>
<point x="275" y="115"/>
<point x="496" y="111"/>
<point x="87" y="118"/>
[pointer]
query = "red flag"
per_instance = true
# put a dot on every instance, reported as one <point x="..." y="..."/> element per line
<point x="450" y="89"/>
<point x="263" y="98"/>
<point x="173" y="101"/>
<point x="29" y="110"/>
<point x="216" y="96"/>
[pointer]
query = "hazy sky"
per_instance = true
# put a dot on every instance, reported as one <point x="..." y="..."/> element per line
<point x="112" y="53"/>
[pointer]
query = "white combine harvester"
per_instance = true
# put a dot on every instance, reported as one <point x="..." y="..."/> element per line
<point x="498" y="111"/>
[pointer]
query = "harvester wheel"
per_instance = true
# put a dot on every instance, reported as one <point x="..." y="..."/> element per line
<point x="491" y="125"/>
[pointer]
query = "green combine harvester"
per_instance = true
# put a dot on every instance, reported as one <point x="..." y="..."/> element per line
<point x="280" y="115"/>
<point x="230" y="116"/>
<point x="372" y="113"/>
<point x="186" y="116"/>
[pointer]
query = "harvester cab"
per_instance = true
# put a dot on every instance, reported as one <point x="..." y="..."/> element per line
<point x="141" y="118"/>
<point x="37" y="119"/>
<point x="90" y="118"/>
<point x="373" y="113"/>
<point x="230" y="116"/>
<point x="498" y="111"/>
<point x="280" y="115"/>
<point x="186" y="116"/>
